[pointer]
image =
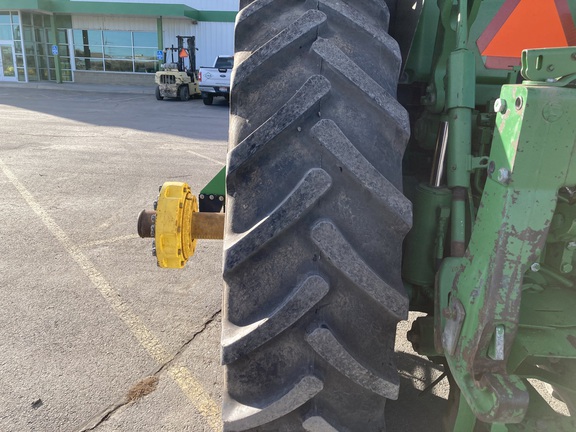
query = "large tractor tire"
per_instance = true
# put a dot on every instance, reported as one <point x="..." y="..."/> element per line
<point x="315" y="218"/>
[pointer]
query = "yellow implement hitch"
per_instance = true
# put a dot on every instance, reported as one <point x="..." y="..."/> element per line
<point x="176" y="224"/>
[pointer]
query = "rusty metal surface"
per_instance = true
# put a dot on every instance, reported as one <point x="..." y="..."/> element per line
<point x="533" y="160"/>
<point x="209" y="226"/>
<point x="145" y="223"/>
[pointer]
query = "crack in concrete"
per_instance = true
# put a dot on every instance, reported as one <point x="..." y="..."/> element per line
<point x="186" y="344"/>
<point x="98" y="419"/>
<point x="105" y="415"/>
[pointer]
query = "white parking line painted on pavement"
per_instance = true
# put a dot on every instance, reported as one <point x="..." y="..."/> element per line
<point x="109" y="240"/>
<point x="191" y="388"/>
<point x="206" y="157"/>
<point x="180" y="374"/>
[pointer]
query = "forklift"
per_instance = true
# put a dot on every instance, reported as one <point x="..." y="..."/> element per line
<point x="175" y="80"/>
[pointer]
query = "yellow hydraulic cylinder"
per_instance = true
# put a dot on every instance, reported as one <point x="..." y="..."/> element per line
<point x="176" y="224"/>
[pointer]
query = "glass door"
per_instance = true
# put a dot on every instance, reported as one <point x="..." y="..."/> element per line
<point x="7" y="65"/>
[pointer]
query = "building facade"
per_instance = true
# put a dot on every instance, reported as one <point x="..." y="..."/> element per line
<point x="104" y="41"/>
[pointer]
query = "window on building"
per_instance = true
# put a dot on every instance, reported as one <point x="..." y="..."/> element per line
<point x="38" y="42"/>
<point x="115" y="51"/>
<point x="5" y="26"/>
<point x="64" y="53"/>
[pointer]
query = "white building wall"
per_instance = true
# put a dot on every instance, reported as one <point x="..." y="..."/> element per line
<point x="213" y="39"/>
<point x="177" y="27"/>
<point x="105" y="22"/>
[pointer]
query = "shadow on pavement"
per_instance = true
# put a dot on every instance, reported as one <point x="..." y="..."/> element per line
<point x="190" y="119"/>
<point x="417" y="409"/>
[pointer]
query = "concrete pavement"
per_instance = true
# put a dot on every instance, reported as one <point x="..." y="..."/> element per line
<point x="87" y="315"/>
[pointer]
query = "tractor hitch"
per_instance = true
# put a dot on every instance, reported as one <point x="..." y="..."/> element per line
<point x="176" y="225"/>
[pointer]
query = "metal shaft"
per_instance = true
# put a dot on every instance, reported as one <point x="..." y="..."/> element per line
<point x="145" y="221"/>
<point x="209" y="226"/>
<point x="204" y="225"/>
<point x="439" y="155"/>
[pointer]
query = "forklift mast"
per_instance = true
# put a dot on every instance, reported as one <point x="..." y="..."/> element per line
<point x="191" y="42"/>
<point x="189" y="51"/>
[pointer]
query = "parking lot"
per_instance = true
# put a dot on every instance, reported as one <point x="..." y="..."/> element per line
<point x="93" y="335"/>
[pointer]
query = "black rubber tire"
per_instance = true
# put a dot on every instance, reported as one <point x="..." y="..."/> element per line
<point x="207" y="99"/>
<point x="158" y="95"/>
<point x="315" y="218"/>
<point x="184" y="93"/>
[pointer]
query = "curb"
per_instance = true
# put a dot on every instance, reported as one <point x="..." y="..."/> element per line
<point x="88" y="88"/>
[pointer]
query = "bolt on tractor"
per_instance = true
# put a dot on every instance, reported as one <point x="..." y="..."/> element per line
<point x="415" y="156"/>
<point x="177" y="80"/>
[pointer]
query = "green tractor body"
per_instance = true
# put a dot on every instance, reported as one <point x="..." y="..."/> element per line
<point x="494" y="117"/>
<point x="399" y="156"/>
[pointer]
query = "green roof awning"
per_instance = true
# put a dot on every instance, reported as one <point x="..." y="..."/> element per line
<point x="119" y="8"/>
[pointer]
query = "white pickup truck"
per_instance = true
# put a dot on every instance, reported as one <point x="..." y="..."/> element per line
<point x="215" y="81"/>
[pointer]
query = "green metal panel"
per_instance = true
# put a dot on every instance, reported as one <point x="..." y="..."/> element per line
<point x="480" y="295"/>
<point x="548" y="64"/>
<point x="431" y="207"/>
<point x="57" y="64"/>
<point x="421" y="58"/>
<point x="216" y="16"/>
<point x="160" y="32"/>
<point x="113" y="8"/>
<point x="22" y="4"/>
<point x="216" y="186"/>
